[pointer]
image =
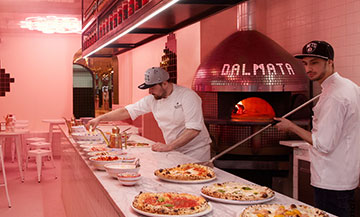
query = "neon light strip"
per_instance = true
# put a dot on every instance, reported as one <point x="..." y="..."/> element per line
<point x="88" y="24"/>
<point x="134" y="26"/>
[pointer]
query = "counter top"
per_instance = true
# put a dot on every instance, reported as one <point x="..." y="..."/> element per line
<point x="122" y="196"/>
<point x="295" y="144"/>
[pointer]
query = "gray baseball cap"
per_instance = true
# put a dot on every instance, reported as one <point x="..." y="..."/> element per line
<point x="153" y="76"/>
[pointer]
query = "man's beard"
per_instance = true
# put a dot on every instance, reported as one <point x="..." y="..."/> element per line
<point x="321" y="75"/>
<point x="162" y="96"/>
<point x="158" y="97"/>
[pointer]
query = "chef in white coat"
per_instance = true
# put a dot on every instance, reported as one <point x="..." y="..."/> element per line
<point x="335" y="137"/>
<point x="177" y="111"/>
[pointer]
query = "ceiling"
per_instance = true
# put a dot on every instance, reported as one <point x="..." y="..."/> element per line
<point x="13" y="11"/>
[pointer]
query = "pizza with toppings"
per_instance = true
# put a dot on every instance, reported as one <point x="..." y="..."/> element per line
<point x="170" y="203"/>
<point x="235" y="191"/>
<point x="277" y="210"/>
<point x="186" y="172"/>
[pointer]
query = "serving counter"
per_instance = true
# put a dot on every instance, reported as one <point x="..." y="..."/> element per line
<point x="90" y="192"/>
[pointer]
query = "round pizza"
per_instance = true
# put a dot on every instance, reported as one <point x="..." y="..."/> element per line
<point x="274" y="210"/>
<point x="170" y="203"/>
<point x="238" y="191"/>
<point x="190" y="171"/>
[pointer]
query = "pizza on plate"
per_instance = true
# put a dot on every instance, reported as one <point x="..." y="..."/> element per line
<point x="170" y="203"/>
<point x="275" y="210"/>
<point x="237" y="191"/>
<point x="190" y="171"/>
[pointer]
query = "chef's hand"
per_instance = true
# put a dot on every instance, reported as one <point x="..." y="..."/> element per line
<point x="92" y="123"/>
<point x="284" y="124"/>
<point x="161" y="147"/>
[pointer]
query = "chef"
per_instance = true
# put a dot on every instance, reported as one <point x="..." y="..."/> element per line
<point x="335" y="136"/>
<point x="177" y="111"/>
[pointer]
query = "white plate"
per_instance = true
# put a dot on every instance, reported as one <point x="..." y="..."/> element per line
<point x="240" y="202"/>
<point x="192" y="215"/>
<point x="187" y="181"/>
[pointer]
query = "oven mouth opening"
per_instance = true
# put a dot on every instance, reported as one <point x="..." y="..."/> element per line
<point x="252" y="109"/>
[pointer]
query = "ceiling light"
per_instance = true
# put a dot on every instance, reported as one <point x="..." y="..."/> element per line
<point x="52" y="24"/>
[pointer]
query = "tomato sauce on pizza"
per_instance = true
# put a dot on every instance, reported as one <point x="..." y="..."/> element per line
<point x="190" y="171"/>
<point x="170" y="203"/>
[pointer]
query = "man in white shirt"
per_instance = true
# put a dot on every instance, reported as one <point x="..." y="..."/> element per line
<point x="335" y="137"/>
<point x="177" y="111"/>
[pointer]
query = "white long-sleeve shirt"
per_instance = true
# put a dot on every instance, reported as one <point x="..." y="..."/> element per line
<point x="179" y="111"/>
<point x="335" y="155"/>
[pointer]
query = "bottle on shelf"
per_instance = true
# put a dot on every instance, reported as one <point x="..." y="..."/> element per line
<point x="110" y="22"/>
<point x="100" y="31"/>
<point x="115" y="17"/>
<point x="125" y="9"/>
<point x="107" y="21"/>
<point x="120" y="14"/>
<point x="138" y="4"/>
<point x="131" y="7"/>
<point x="104" y="27"/>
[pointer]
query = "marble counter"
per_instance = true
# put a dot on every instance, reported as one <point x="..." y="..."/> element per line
<point x="90" y="192"/>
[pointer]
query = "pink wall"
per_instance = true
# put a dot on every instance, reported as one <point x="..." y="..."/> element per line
<point x="42" y="67"/>
<point x="188" y="53"/>
<point x="132" y="66"/>
<point x="294" y="23"/>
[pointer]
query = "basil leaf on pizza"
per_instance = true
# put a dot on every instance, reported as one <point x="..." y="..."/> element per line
<point x="170" y="203"/>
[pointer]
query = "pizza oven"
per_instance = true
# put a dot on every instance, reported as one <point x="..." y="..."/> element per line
<point x="246" y="81"/>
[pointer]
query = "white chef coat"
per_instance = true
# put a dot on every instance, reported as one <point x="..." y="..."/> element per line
<point x="179" y="111"/>
<point x="335" y="155"/>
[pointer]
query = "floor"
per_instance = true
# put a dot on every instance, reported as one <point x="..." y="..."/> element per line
<point x="32" y="199"/>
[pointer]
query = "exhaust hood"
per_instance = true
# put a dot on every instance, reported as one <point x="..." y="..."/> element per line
<point x="248" y="61"/>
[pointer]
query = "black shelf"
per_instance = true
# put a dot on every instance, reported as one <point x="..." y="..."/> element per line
<point x="179" y="15"/>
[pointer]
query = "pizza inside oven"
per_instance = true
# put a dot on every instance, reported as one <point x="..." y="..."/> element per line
<point x="238" y="191"/>
<point x="190" y="171"/>
<point x="170" y="203"/>
<point x="277" y="210"/>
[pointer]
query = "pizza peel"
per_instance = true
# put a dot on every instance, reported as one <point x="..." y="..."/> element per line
<point x="210" y="163"/>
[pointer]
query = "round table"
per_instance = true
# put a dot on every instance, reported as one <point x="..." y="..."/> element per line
<point x="52" y="124"/>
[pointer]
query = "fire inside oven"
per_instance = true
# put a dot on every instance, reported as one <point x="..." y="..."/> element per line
<point x="252" y="109"/>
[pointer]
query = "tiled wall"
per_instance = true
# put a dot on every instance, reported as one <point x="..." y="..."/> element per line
<point x="292" y="23"/>
<point x="5" y="81"/>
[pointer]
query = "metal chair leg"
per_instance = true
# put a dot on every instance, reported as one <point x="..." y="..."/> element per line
<point x="4" y="175"/>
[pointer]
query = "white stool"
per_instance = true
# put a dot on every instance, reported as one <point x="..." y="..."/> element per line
<point x="42" y="145"/>
<point x="4" y="175"/>
<point x="38" y="154"/>
<point x="32" y="140"/>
